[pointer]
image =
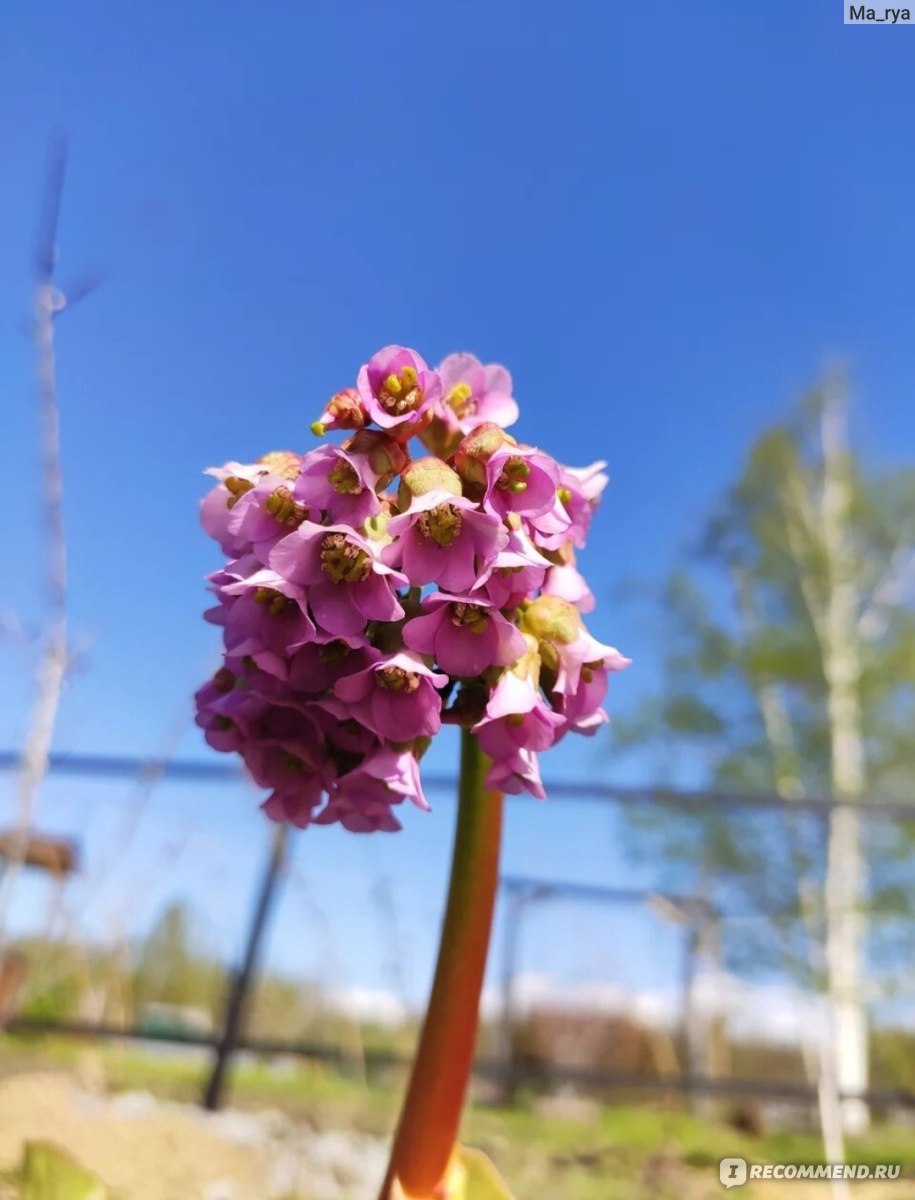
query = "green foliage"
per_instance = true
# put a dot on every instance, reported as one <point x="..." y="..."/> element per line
<point x="49" y="1173"/>
<point x="742" y="644"/>
<point x="173" y="966"/>
<point x="481" y="1179"/>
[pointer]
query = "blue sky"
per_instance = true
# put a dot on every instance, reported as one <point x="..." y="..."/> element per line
<point x="663" y="218"/>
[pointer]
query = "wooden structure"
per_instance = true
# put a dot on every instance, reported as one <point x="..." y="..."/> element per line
<point x="58" y="856"/>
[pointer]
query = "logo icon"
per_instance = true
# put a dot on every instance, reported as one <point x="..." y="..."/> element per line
<point x="733" y="1172"/>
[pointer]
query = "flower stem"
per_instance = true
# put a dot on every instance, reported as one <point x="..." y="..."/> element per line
<point x="429" y="1121"/>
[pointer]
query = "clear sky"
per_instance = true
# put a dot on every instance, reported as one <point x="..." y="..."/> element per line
<point x="662" y="217"/>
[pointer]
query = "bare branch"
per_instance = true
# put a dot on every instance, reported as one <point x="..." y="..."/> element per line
<point x="54" y="659"/>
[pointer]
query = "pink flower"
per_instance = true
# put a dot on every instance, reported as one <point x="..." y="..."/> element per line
<point x="395" y="697"/>
<point x="266" y="513"/>
<point x="235" y="479"/>
<point x="361" y="800"/>
<point x="583" y="654"/>
<point x="591" y="480"/>
<point x="576" y="499"/>
<point x="473" y="393"/>
<point x="580" y="706"/>
<point x="296" y="805"/>
<point x="360" y="807"/>
<point x="397" y="388"/>
<point x="343" y="411"/>
<point x="520" y="772"/>
<point x="347" y="583"/>
<point x="446" y="539"/>
<point x="522" y="480"/>
<point x="568" y="583"/>
<point x="315" y="668"/>
<point x="336" y="665"/>
<point x="533" y="729"/>
<point x="464" y="634"/>
<point x="338" y="483"/>
<point x="517" y="572"/>
<point x="268" y="614"/>
<point x="551" y="530"/>
<point x="517" y="716"/>
<point x="226" y="712"/>
<point x="286" y="754"/>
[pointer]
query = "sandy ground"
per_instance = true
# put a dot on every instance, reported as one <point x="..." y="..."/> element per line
<point x="147" y="1150"/>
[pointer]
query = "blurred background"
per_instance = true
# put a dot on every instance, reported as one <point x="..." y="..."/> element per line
<point x="687" y="232"/>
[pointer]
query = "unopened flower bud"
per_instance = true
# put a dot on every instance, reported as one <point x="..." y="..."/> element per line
<point x="376" y="528"/>
<point x="440" y="438"/>
<point x="343" y="411"/>
<point x="552" y="619"/>
<point x="385" y="457"/>
<point x="284" y="463"/>
<point x="427" y="475"/>
<point x="476" y="449"/>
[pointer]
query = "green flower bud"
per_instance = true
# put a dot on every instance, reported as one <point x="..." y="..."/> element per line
<point x="427" y="475"/>
<point x="551" y="619"/>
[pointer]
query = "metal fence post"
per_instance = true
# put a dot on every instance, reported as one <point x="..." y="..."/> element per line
<point x="243" y="979"/>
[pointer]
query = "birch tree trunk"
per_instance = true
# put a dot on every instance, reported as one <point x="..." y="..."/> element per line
<point x="819" y="1061"/>
<point x="845" y="872"/>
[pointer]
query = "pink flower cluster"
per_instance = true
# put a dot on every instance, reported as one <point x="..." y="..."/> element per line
<point x="369" y="596"/>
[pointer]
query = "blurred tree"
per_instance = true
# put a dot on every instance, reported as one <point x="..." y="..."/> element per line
<point x="791" y="668"/>
<point x="173" y="966"/>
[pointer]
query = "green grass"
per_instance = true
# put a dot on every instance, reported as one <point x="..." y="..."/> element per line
<point x="626" y="1152"/>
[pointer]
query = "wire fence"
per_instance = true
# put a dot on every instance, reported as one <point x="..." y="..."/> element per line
<point x="648" y="941"/>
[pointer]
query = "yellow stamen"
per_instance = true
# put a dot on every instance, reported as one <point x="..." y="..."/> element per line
<point x="401" y="393"/>
<point x="514" y="475"/>
<point x="341" y="561"/>
<point x="442" y="524"/>
<point x="282" y="505"/>
<point x="275" y="601"/>
<point x="461" y="400"/>
<point x="344" y="479"/>
<point x="237" y="487"/>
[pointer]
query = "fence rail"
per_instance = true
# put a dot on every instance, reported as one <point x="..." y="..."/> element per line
<point x="103" y="766"/>
<point x="491" y="1070"/>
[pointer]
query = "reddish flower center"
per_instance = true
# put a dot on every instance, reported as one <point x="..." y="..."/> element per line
<point x="346" y="409"/>
<point x="341" y="561"/>
<point x="396" y="679"/>
<point x="333" y="652"/>
<point x="588" y="670"/>
<point x="469" y="616"/>
<point x="399" y="394"/>
<point x="224" y="680"/>
<point x="442" y="524"/>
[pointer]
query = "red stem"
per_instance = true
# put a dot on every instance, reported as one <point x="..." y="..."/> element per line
<point x="431" y="1114"/>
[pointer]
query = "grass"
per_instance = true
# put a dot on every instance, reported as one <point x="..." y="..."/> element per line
<point x="621" y="1152"/>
